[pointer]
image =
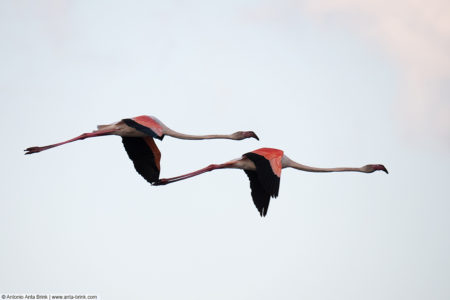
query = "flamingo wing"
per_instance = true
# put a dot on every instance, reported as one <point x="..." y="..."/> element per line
<point x="264" y="183"/>
<point x="260" y="197"/>
<point x="145" y="156"/>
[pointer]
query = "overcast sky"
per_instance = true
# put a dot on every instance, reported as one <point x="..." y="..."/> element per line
<point x="331" y="83"/>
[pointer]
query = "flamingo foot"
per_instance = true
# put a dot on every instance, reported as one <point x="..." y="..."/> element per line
<point x="32" y="150"/>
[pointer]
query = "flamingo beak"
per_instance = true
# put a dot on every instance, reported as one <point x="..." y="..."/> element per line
<point x="382" y="168"/>
<point x="251" y="134"/>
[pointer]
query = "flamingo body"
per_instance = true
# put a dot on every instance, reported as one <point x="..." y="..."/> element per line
<point x="274" y="157"/>
<point x="265" y="180"/>
<point x="146" y="124"/>
<point x="143" y="151"/>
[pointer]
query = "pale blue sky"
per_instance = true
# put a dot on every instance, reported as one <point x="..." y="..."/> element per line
<point x="79" y="219"/>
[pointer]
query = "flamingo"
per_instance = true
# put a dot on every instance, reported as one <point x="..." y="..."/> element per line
<point x="138" y="136"/>
<point x="263" y="168"/>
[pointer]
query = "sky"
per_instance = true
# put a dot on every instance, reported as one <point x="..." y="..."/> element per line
<point x="331" y="83"/>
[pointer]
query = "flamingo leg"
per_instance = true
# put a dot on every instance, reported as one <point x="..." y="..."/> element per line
<point x="83" y="136"/>
<point x="164" y="181"/>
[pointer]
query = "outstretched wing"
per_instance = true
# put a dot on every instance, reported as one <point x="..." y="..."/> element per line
<point x="145" y="156"/>
<point x="260" y="197"/>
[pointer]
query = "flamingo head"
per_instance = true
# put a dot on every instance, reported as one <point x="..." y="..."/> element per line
<point x="373" y="168"/>
<point x="240" y="135"/>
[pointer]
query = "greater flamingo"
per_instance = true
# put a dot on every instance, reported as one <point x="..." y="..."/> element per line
<point x="137" y="137"/>
<point x="263" y="168"/>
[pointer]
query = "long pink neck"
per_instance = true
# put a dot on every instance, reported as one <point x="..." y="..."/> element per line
<point x="288" y="163"/>
<point x="184" y="136"/>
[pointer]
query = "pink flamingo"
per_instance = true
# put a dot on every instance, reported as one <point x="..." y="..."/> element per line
<point x="138" y="136"/>
<point x="263" y="168"/>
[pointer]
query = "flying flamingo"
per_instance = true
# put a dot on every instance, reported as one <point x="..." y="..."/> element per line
<point x="137" y="137"/>
<point x="263" y="168"/>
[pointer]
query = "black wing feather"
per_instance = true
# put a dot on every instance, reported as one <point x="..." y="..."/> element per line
<point x="260" y="197"/>
<point x="143" y="158"/>
<point x="263" y="182"/>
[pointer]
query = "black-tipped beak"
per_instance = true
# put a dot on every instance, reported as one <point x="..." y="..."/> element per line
<point x="253" y="135"/>
<point x="383" y="168"/>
